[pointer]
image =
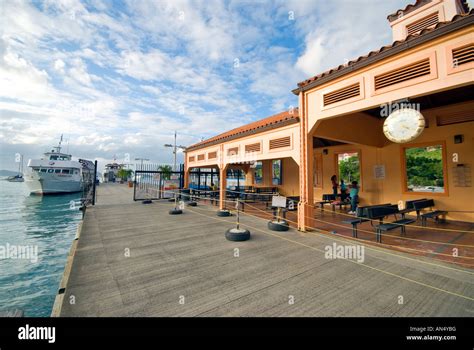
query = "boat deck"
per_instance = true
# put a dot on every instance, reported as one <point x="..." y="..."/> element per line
<point x="134" y="259"/>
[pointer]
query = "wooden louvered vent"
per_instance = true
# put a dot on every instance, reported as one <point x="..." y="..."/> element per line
<point x="412" y="71"/>
<point x="191" y="159"/>
<point x="426" y="22"/>
<point x="341" y="94"/>
<point x="233" y="151"/>
<point x="253" y="147"/>
<point x="280" y="143"/>
<point x="455" y="118"/>
<point x="463" y="55"/>
<point x="212" y="155"/>
<point x="200" y="156"/>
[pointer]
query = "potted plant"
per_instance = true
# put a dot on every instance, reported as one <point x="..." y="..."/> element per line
<point x="125" y="175"/>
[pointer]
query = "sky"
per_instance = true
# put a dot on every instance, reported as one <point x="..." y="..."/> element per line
<point x="117" y="78"/>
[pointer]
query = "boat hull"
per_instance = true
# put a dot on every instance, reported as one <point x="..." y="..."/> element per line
<point x="38" y="185"/>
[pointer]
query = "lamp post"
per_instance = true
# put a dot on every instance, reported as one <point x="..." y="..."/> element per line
<point x="175" y="147"/>
<point x="141" y="163"/>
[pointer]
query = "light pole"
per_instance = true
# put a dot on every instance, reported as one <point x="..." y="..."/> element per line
<point x="175" y="147"/>
<point x="142" y="159"/>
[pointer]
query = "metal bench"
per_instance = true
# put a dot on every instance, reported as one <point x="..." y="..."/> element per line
<point x="361" y="216"/>
<point x="382" y="212"/>
<point x="433" y="214"/>
<point x="326" y="199"/>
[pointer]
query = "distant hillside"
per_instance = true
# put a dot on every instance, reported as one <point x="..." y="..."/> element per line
<point x="7" y="173"/>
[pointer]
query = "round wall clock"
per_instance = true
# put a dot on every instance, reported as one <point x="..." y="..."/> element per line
<point x="404" y="125"/>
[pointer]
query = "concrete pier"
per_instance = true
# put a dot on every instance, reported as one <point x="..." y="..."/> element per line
<point x="133" y="259"/>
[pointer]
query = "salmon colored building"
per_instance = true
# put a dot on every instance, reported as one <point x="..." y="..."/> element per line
<point x="429" y="67"/>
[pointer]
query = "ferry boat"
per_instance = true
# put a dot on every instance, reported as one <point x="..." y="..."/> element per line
<point x="56" y="172"/>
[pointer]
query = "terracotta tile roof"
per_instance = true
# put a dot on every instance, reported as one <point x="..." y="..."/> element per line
<point x="352" y="65"/>
<point x="419" y="3"/>
<point x="275" y="121"/>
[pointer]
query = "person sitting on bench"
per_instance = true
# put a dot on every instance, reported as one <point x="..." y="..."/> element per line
<point x="354" y="194"/>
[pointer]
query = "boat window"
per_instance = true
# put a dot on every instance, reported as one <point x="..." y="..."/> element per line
<point x="57" y="171"/>
<point x="65" y="171"/>
<point x="53" y="158"/>
<point x="50" y="170"/>
<point x="43" y="170"/>
<point x="75" y="172"/>
<point x="36" y="169"/>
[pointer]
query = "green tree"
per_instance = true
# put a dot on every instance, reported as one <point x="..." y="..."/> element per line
<point x="349" y="169"/>
<point x="125" y="174"/>
<point x="165" y="171"/>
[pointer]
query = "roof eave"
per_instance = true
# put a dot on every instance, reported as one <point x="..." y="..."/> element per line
<point x="446" y="29"/>
<point x="244" y="134"/>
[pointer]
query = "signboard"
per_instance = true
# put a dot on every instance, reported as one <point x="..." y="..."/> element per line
<point x="170" y="187"/>
<point x="379" y="172"/>
<point x="279" y="201"/>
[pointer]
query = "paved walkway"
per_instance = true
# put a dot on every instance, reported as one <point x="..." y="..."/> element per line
<point x="137" y="260"/>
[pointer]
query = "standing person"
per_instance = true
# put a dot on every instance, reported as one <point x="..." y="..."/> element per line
<point x="334" y="185"/>
<point x="343" y="191"/>
<point x="354" y="194"/>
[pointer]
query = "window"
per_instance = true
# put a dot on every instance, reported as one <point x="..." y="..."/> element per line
<point x="258" y="173"/>
<point x="276" y="172"/>
<point x="50" y="170"/>
<point x="348" y="166"/>
<point x="57" y="171"/>
<point x="53" y="158"/>
<point x="65" y="171"/>
<point x="43" y="170"/>
<point x="424" y="169"/>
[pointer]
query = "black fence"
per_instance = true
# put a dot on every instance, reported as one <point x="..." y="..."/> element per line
<point x="157" y="181"/>
<point x="89" y="183"/>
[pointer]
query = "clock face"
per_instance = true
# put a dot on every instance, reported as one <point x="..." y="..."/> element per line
<point x="404" y="125"/>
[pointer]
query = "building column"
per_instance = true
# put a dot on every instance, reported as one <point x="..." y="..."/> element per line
<point x="305" y="206"/>
<point x="222" y="178"/>
<point x="186" y="177"/>
<point x="222" y="186"/>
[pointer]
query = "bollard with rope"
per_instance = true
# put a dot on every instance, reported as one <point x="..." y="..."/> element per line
<point x="280" y="224"/>
<point x="237" y="234"/>
<point x="177" y="210"/>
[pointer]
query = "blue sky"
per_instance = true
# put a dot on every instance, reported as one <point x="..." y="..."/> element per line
<point x="118" y="77"/>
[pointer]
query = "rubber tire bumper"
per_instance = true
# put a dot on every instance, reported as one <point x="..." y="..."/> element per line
<point x="175" y="211"/>
<point x="192" y="204"/>
<point x="239" y="235"/>
<point x="223" y="213"/>
<point x="278" y="226"/>
<point x="147" y="201"/>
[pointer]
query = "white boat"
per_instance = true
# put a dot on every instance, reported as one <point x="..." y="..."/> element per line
<point x="18" y="177"/>
<point x="56" y="172"/>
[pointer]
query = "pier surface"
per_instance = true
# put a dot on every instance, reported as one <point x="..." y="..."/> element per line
<point x="137" y="260"/>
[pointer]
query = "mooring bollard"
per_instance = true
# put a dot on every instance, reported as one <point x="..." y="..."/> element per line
<point x="237" y="234"/>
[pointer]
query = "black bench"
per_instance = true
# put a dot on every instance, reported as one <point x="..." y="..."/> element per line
<point x="433" y="214"/>
<point x="382" y="212"/>
<point x="326" y="199"/>
<point x="361" y="216"/>
<point x="409" y="207"/>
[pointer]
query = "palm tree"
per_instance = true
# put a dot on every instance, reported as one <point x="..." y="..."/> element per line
<point x="165" y="171"/>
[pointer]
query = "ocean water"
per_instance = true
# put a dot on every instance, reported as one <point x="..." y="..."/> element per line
<point x="46" y="222"/>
